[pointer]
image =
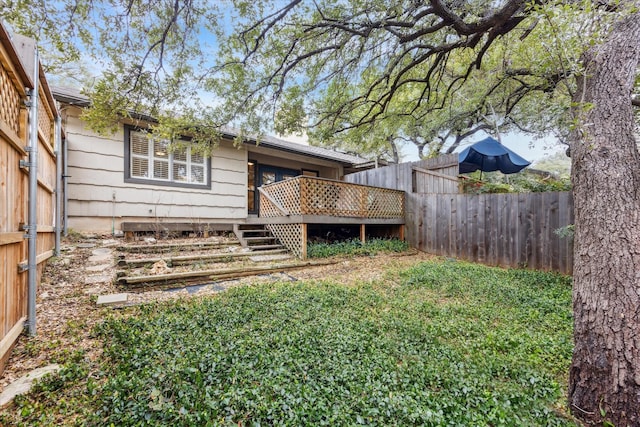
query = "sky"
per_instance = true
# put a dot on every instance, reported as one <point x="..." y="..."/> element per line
<point x="524" y="145"/>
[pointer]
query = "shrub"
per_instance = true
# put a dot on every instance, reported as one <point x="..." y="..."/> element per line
<point x="356" y="248"/>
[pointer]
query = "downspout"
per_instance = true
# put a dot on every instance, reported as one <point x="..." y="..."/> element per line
<point x="65" y="191"/>
<point x="58" y="143"/>
<point x="32" y="227"/>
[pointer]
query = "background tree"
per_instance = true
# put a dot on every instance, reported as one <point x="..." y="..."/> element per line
<point x="496" y="98"/>
<point x="558" y="164"/>
<point x="406" y="58"/>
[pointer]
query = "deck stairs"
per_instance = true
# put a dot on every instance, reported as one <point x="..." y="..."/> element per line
<point x="257" y="237"/>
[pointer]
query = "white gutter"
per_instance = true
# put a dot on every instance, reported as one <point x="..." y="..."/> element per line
<point x="32" y="223"/>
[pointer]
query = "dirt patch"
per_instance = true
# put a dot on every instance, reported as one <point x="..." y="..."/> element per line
<point x="67" y="313"/>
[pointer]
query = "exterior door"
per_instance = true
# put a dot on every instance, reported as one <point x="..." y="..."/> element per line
<point x="270" y="174"/>
<point x="267" y="175"/>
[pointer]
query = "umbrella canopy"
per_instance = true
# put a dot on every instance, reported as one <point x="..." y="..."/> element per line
<point x="489" y="155"/>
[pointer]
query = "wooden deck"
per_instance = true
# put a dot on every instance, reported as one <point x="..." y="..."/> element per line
<point x="324" y="219"/>
<point x="289" y="207"/>
<point x="309" y="196"/>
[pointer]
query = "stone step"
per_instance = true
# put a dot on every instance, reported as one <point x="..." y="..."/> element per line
<point x="24" y="383"/>
<point x="112" y="299"/>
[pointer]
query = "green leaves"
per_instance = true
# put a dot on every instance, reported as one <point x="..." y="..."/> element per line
<point x="441" y="343"/>
<point x="496" y="182"/>
<point x="356" y="247"/>
<point x="367" y="76"/>
<point x="455" y="343"/>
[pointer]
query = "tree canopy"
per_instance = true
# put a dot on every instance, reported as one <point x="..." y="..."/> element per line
<point x="359" y="75"/>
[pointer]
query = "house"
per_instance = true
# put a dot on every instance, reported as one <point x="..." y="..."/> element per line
<point x="127" y="181"/>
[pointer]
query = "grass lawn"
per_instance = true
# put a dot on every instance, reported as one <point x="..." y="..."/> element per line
<point x="442" y="343"/>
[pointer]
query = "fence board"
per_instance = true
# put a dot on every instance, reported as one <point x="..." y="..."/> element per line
<point x="14" y="189"/>
<point x="492" y="232"/>
<point x="549" y="244"/>
<point x="4" y="284"/>
<point x="461" y="221"/>
<point x="4" y="187"/>
<point x="566" y="245"/>
<point x="504" y="237"/>
<point x="528" y="233"/>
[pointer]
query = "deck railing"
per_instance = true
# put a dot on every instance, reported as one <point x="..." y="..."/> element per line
<point x="305" y="195"/>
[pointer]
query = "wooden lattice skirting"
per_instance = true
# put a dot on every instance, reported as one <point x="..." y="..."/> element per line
<point x="292" y="237"/>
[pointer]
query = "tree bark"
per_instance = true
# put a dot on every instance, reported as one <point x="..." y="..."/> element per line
<point x="604" y="379"/>
<point x="394" y="150"/>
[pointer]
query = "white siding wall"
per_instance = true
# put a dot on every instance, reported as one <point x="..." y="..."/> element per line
<point x="99" y="199"/>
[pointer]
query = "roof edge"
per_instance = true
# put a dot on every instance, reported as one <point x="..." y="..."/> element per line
<point x="74" y="97"/>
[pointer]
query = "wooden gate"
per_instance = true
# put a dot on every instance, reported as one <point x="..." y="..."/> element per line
<point x="437" y="175"/>
<point x="15" y="79"/>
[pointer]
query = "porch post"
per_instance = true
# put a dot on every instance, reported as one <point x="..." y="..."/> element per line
<point x="303" y="236"/>
<point x="363" y="235"/>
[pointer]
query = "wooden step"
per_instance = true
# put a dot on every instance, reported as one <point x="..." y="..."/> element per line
<point x="247" y="227"/>
<point x="264" y="247"/>
<point x="259" y="238"/>
<point x="267" y="233"/>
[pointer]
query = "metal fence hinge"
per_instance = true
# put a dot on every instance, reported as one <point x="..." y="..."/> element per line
<point x="26" y="228"/>
<point x="28" y="101"/>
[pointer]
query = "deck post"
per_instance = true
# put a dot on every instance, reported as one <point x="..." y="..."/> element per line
<point x="303" y="251"/>
<point x="363" y="235"/>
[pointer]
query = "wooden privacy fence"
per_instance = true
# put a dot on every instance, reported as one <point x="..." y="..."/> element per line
<point x="510" y="230"/>
<point x="14" y="78"/>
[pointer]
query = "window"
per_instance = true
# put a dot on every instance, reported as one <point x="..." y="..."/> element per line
<point x="151" y="162"/>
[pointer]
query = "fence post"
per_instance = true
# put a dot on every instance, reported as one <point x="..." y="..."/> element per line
<point x="58" y="219"/>
<point x="33" y="194"/>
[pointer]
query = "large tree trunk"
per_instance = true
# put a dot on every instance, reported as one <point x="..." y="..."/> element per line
<point x="604" y="381"/>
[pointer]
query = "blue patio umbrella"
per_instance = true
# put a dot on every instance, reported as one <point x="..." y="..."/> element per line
<point x="489" y="155"/>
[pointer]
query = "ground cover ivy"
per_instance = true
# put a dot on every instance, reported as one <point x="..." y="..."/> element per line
<point x="454" y="345"/>
<point x="356" y="247"/>
<point x="443" y="343"/>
